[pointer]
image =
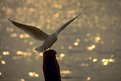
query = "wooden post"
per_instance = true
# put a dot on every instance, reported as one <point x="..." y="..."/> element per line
<point x="51" y="68"/>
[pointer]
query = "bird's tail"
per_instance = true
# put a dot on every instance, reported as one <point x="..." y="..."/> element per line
<point x="40" y="49"/>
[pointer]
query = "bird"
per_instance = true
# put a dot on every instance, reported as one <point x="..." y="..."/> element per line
<point x="38" y="34"/>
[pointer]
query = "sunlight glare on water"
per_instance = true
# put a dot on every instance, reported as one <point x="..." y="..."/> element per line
<point x="87" y="50"/>
<point x="33" y="74"/>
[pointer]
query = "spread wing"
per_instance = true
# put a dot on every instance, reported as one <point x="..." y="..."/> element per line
<point x="67" y="23"/>
<point x="31" y="30"/>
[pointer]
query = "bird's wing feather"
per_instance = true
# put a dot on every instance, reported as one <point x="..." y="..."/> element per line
<point x="31" y="30"/>
<point x="67" y="23"/>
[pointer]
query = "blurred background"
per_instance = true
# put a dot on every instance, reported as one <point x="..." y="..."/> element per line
<point x="89" y="49"/>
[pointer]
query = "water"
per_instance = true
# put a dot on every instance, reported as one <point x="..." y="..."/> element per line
<point x="88" y="49"/>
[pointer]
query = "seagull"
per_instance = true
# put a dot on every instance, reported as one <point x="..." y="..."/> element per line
<point x="38" y="34"/>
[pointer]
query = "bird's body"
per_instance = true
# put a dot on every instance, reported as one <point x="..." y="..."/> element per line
<point x="47" y="43"/>
<point x="38" y="34"/>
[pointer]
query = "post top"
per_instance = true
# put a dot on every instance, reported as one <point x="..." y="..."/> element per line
<point x="50" y="52"/>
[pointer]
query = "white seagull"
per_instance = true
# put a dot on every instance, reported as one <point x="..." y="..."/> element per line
<point x="38" y="34"/>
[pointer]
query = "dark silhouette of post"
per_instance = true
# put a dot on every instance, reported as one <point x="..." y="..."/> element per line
<point x="51" y="68"/>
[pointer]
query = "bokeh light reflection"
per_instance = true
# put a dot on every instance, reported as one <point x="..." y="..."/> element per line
<point x="87" y="48"/>
<point x="33" y="74"/>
